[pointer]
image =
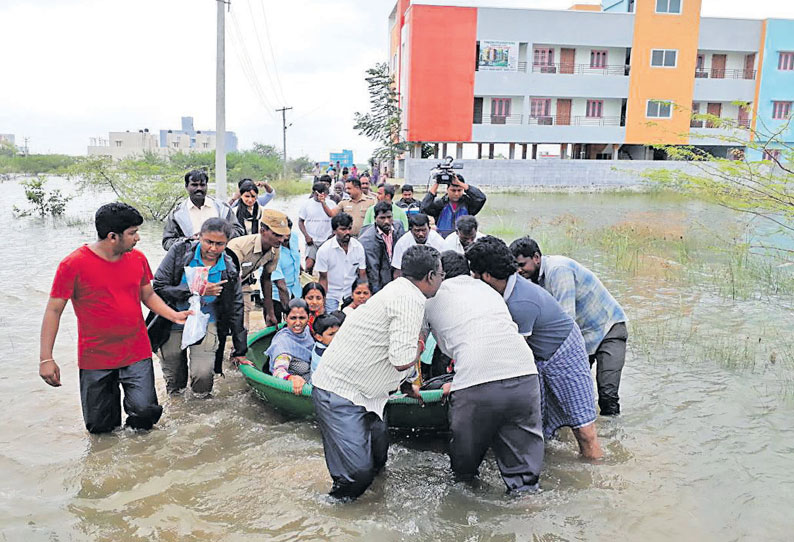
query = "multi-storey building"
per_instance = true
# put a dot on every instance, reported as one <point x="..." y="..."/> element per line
<point x="605" y="81"/>
<point x="128" y="144"/>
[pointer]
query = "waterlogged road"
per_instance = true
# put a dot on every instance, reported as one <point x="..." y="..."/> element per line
<point x="704" y="450"/>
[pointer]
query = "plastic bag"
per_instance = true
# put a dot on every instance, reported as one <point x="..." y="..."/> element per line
<point x="196" y="324"/>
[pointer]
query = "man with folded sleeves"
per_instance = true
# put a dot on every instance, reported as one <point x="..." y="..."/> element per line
<point x="367" y="360"/>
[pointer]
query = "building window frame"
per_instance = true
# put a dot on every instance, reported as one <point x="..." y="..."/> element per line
<point x="785" y="61"/>
<point x="599" y="58"/>
<point x="594" y="109"/>
<point x="665" y="57"/>
<point x="659" y="105"/>
<point x="667" y="3"/>
<point x="546" y="52"/>
<point x="781" y="109"/>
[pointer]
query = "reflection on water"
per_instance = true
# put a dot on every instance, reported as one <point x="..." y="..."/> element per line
<point x="703" y="450"/>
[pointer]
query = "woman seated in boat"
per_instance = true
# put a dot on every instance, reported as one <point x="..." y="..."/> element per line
<point x="360" y="293"/>
<point x="314" y="295"/>
<point x="290" y="352"/>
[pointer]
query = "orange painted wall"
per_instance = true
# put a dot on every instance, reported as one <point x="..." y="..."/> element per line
<point x="394" y="41"/>
<point x="761" y="49"/>
<point x="442" y="43"/>
<point x="585" y="7"/>
<point x="662" y="31"/>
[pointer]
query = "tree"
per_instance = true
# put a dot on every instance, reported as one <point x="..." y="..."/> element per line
<point x="44" y="203"/>
<point x="152" y="187"/>
<point x="762" y="188"/>
<point x="383" y="123"/>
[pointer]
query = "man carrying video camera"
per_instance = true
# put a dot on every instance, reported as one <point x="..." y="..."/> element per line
<point x="460" y="200"/>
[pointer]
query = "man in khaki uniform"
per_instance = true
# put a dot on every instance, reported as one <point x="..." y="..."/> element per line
<point x="261" y="250"/>
<point x="356" y="206"/>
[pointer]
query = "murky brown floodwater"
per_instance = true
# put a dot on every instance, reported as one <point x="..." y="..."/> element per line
<point x="703" y="451"/>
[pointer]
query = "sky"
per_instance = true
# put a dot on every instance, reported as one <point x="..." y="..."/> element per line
<point x="76" y="69"/>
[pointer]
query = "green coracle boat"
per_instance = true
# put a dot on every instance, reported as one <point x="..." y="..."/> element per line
<point x="403" y="413"/>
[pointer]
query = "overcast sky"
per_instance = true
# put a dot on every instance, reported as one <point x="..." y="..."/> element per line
<point x="75" y="69"/>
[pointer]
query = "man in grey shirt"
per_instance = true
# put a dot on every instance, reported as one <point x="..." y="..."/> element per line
<point x="567" y="395"/>
<point x="495" y="394"/>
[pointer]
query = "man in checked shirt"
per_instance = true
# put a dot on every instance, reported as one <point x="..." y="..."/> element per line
<point x="586" y="300"/>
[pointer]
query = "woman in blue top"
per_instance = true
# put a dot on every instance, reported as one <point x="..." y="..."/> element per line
<point x="222" y="299"/>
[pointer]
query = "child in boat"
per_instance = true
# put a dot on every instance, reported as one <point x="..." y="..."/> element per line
<point x="324" y="329"/>
<point x="360" y="294"/>
<point x="290" y="351"/>
<point x="314" y="295"/>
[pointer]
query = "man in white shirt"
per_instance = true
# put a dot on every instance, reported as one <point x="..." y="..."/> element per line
<point x="339" y="261"/>
<point x="186" y="219"/>
<point x="314" y="221"/>
<point x="465" y="234"/>
<point x="495" y="392"/>
<point x="367" y="360"/>
<point x="420" y="234"/>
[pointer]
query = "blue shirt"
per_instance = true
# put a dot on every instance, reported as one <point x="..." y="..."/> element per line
<point x="538" y="315"/>
<point x="289" y="268"/>
<point x="582" y="296"/>
<point x="317" y="355"/>
<point x="207" y="301"/>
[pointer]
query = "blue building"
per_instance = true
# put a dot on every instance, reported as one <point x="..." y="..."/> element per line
<point x="775" y="88"/>
<point x="187" y="129"/>
<point x="345" y="158"/>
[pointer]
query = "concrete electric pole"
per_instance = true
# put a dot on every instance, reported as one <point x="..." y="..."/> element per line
<point x="283" y="111"/>
<point x="220" y="104"/>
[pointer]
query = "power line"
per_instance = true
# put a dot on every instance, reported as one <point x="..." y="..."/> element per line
<point x="270" y="46"/>
<point x="248" y="67"/>
<point x="279" y="94"/>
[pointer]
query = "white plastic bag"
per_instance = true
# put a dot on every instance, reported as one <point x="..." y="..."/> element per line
<point x="196" y="324"/>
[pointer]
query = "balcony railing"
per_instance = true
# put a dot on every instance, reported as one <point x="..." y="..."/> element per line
<point x="702" y="123"/>
<point x="717" y="73"/>
<point x="580" y="69"/>
<point x="501" y="119"/>
<point x="569" y="120"/>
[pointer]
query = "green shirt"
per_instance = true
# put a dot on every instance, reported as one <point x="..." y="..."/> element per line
<point x="397" y="212"/>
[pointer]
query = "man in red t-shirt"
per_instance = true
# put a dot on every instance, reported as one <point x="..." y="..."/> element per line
<point x="107" y="281"/>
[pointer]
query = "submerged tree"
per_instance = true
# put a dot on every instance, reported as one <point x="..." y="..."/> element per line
<point x="757" y="177"/>
<point x="383" y="123"/>
<point x="43" y="203"/>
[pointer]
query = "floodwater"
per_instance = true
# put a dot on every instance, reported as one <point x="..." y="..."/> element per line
<point x="703" y="451"/>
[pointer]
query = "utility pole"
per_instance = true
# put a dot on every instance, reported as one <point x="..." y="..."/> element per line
<point x="283" y="111"/>
<point x="26" y="145"/>
<point x="220" y="103"/>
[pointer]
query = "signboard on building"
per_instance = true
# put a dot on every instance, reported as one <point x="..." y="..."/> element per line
<point x="345" y="158"/>
<point x="498" y="56"/>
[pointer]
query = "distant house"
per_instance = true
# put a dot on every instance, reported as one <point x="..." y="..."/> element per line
<point x="189" y="139"/>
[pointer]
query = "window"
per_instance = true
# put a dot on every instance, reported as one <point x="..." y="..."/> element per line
<point x="206" y="145"/>
<point x="668" y="6"/>
<point x="785" y="62"/>
<point x="664" y="58"/>
<point x="595" y="108"/>
<point x="543" y="56"/>
<point x="500" y="110"/>
<point x="175" y="144"/>
<point x="772" y="154"/>
<point x="540" y="108"/>
<point x="598" y="59"/>
<point x="695" y="122"/>
<point x="781" y="110"/>
<point x="118" y="142"/>
<point x="659" y="109"/>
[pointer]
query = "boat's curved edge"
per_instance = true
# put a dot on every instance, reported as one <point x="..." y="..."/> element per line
<point x="253" y="374"/>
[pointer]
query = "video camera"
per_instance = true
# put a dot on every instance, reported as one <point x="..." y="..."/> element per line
<point x="443" y="172"/>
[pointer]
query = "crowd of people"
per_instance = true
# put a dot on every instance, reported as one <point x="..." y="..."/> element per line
<point x="516" y="332"/>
